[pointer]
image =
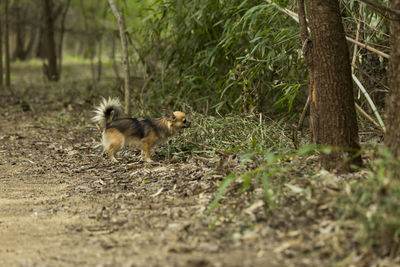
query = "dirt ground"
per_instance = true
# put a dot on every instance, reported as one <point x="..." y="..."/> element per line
<point x="62" y="203"/>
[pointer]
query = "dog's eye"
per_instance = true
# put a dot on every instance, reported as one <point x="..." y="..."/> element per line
<point x="184" y="121"/>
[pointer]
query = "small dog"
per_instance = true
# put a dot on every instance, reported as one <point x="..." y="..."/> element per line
<point x="118" y="130"/>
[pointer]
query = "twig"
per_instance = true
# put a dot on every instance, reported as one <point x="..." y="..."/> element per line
<point x="208" y="147"/>
<point x="367" y="116"/>
<point x="385" y="88"/>
<point x="370" y="102"/>
<point x="370" y="48"/>
<point x="301" y="120"/>
<point x="379" y="8"/>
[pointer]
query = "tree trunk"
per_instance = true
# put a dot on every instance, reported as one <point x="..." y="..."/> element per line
<point x="90" y="42"/>
<point x="333" y="115"/>
<point x="100" y="45"/>
<point x="19" y="32"/>
<point x="392" y="137"/>
<point x="52" y="73"/>
<point x="40" y="47"/>
<point x="114" y="61"/>
<point x="1" y="52"/>
<point x="125" y="58"/>
<point x="7" y="45"/>
<point x="99" y="62"/>
<point x="60" y="45"/>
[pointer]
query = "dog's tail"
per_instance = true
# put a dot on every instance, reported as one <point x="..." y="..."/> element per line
<point x="108" y="110"/>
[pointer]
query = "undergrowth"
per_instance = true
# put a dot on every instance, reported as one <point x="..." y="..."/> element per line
<point x="373" y="204"/>
<point x="363" y="207"/>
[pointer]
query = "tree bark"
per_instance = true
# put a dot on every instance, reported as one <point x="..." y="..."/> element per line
<point x="333" y="115"/>
<point x="7" y="44"/>
<point x="52" y="73"/>
<point x="125" y="57"/>
<point x="392" y="137"/>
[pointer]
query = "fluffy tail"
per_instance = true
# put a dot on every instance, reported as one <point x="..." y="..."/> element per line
<point x="108" y="110"/>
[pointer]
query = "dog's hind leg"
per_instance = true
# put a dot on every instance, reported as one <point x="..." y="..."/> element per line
<point x="113" y="140"/>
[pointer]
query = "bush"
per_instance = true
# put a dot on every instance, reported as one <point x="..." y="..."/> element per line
<point x="221" y="56"/>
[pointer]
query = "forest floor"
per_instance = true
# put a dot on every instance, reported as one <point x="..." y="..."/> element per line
<point x="63" y="203"/>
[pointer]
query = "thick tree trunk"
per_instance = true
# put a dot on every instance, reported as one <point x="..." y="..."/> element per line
<point x="7" y="44"/>
<point x="333" y="115"/>
<point x="52" y="73"/>
<point x="125" y="58"/>
<point x="392" y="137"/>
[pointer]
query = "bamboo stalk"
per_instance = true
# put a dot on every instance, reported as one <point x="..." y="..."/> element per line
<point x="370" y="102"/>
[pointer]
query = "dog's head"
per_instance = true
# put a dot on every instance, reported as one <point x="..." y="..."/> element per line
<point x="178" y="119"/>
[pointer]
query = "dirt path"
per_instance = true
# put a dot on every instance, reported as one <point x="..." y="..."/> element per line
<point x="62" y="203"/>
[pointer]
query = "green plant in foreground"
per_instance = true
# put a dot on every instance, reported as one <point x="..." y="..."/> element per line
<point x="374" y="205"/>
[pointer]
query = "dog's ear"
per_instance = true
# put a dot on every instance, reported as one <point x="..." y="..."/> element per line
<point x="168" y="114"/>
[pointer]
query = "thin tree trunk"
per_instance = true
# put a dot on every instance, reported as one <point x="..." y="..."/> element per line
<point x="100" y="46"/>
<point x="52" y="73"/>
<point x="125" y="58"/>
<point x="60" y="45"/>
<point x="333" y="115"/>
<point x="392" y="137"/>
<point x="114" y="64"/>
<point x="31" y="42"/>
<point x="19" y="44"/>
<point x="7" y="46"/>
<point x="99" y="63"/>
<point x="307" y="46"/>
<point x="1" y="52"/>
<point x="90" y="42"/>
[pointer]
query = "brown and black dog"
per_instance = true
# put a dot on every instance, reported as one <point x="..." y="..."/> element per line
<point x="119" y="130"/>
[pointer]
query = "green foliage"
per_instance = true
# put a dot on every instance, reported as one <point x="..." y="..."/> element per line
<point x="374" y="204"/>
<point x="223" y="55"/>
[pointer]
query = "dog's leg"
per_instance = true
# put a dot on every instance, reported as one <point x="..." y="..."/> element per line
<point x="116" y="140"/>
<point x="147" y="143"/>
<point x="111" y="151"/>
<point x="146" y="150"/>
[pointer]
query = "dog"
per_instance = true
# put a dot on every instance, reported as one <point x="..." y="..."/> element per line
<point x="119" y="130"/>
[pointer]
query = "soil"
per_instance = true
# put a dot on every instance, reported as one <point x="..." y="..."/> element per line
<point x="63" y="203"/>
